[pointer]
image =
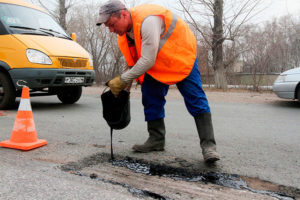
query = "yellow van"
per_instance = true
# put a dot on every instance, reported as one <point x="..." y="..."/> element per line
<point x="35" y="51"/>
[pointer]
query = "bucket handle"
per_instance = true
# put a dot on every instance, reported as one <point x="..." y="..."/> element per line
<point x="105" y="89"/>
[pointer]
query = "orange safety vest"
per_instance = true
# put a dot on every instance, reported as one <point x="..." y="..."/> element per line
<point x="177" y="47"/>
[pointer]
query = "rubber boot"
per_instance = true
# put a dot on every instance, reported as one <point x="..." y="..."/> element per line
<point x="156" y="140"/>
<point x="207" y="139"/>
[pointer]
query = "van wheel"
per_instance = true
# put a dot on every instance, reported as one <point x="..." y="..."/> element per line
<point x="69" y="95"/>
<point x="7" y="92"/>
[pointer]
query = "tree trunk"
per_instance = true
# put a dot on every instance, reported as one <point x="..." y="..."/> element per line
<point x="62" y="14"/>
<point x="217" y="46"/>
<point x="220" y="78"/>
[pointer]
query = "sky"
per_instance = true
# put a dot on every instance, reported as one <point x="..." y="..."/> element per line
<point x="277" y="8"/>
<point x="271" y="8"/>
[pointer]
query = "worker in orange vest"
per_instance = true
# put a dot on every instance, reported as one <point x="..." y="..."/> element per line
<point x="160" y="50"/>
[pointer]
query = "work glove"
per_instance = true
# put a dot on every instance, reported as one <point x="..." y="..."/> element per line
<point x="116" y="85"/>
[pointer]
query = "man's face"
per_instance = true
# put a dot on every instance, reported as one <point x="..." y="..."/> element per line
<point x="117" y="25"/>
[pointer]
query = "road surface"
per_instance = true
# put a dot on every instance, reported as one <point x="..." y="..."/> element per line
<point x="257" y="137"/>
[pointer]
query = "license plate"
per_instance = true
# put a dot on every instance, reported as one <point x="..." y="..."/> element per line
<point x="74" y="80"/>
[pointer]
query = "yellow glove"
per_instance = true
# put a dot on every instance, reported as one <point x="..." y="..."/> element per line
<point x="116" y="85"/>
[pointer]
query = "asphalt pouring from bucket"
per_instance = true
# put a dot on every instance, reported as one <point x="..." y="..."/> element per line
<point x="116" y="112"/>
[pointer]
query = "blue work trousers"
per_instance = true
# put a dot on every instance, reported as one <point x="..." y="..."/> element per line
<point x="154" y="92"/>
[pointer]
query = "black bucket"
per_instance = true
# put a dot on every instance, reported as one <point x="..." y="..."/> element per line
<point x="116" y="110"/>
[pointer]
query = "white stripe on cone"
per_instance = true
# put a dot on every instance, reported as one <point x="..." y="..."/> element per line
<point x="25" y="105"/>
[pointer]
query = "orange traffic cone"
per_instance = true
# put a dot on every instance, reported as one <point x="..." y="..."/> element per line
<point x="24" y="136"/>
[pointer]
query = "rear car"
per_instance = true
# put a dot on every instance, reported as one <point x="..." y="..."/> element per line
<point x="287" y="85"/>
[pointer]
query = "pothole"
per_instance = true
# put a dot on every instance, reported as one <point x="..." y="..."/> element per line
<point x="151" y="169"/>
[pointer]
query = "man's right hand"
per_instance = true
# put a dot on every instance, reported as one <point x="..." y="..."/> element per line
<point x="116" y="85"/>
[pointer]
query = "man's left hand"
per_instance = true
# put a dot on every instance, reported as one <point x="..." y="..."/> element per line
<point x="116" y="85"/>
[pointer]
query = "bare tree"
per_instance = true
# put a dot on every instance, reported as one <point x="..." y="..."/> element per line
<point x="283" y="42"/>
<point x="222" y="27"/>
<point x="270" y="48"/>
<point x="259" y="55"/>
<point x="288" y="34"/>
<point x="217" y="45"/>
<point x="58" y="9"/>
<point x="98" y="41"/>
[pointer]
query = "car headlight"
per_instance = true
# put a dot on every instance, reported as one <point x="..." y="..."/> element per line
<point x="91" y="60"/>
<point x="281" y="78"/>
<point x="39" y="57"/>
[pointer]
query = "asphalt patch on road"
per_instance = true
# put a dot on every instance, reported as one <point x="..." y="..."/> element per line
<point x="145" y="167"/>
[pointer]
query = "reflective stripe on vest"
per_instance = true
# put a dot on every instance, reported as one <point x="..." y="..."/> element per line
<point x="168" y="33"/>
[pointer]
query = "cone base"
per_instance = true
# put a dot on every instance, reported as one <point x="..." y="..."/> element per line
<point x="23" y="146"/>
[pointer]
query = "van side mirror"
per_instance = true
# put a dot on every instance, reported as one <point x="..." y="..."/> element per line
<point x="73" y="36"/>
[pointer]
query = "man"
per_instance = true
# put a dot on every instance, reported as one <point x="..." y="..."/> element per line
<point x="160" y="50"/>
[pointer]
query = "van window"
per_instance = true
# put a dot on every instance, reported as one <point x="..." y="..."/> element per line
<point x="24" y="20"/>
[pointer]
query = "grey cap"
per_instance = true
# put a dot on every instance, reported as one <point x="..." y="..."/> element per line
<point x="107" y="9"/>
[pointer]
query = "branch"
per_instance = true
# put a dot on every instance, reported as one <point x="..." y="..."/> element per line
<point x="194" y="22"/>
<point x="53" y="14"/>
